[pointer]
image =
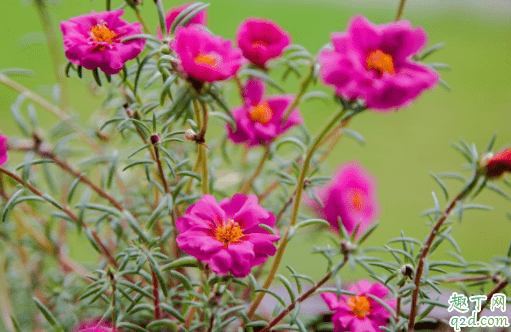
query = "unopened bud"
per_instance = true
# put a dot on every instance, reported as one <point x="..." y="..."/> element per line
<point x="155" y="139"/>
<point x="165" y="49"/>
<point x="408" y="271"/>
<point x="347" y="247"/>
<point x="190" y="135"/>
<point x="483" y="160"/>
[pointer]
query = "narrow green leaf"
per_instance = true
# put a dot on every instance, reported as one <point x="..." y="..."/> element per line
<point x="47" y="314"/>
<point x="11" y="203"/>
<point x="156" y="213"/>
<point x="441" y="184"/>
<point x="95" y="74"/>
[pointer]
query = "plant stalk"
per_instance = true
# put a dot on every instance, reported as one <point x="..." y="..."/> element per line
<point x="427" y="246"/>
<point x="400" y="10"/>
<point x="299" y="190"/>
<point x="248" y="184"/>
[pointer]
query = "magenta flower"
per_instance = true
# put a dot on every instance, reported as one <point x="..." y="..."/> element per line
<point x="259" y="121"/>
<point x="3" y="149"/>
<point x="261" y="40"/>
<point x="227" y="235"/>
<point x="201" y="18"/>
<point x="94" y="41"/>
<point x="350" y="196"/>
<point x="373" y="62"/>
<point x="204" y="57"/>
<point x="359" y="313"/>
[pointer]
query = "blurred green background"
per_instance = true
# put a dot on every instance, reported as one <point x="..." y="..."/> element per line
<point x="402" y="147"/>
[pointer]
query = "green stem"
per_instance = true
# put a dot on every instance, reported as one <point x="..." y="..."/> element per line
<point x="204" y="174"/>
<point x="55" y="51"/>
<point x="299" y="190"/>
<point x="303" y="87"/>
<point x="425" y="249"/>
<point x="142" y="21"/>
<point x="248" y="185"/>
<point x="200" y="140"/>
<point x="400" y="10"/>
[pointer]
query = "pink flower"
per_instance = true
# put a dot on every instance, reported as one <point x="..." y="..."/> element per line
<point x="259" y="121"/>
<point x="204" y="57"/>
<point x="93" y="326"/>
<point x="227" y="235"/>
<point x="372" y="62"/>
<point x="350" y="196"/>
<point x="359" y="313"/>
<point x="3" y="149"/>
<point x="201" y="18"/>
<point x="94" y="41"/>
<point x="261" y="40"/>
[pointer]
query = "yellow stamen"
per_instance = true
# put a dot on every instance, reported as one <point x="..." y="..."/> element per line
<point x="357" y="200"/>
<point x="360" y="306"/>
<point x="229" y="233"/>
<point x="381" y="62"/>
<point x="211" y="60"/>
<point x="260" y="43"/>
<point x="261" y="113"/>
<point x="101" y="33"/>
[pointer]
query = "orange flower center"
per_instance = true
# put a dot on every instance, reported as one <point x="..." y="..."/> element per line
<point x="381" y="62"/>
<point x="357" y="200"/>
<point x="360" y="306"/>
<point x="260" y="43"/>
<point x="261" y="113"/>
<point x="211" y="59"/>
<point x="228" y="233"/>
<point x="101" y="33"/>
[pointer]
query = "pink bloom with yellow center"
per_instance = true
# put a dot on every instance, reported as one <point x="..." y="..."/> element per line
<point x="259" y="121"/>
<point x="261" y="40"/>
<point x="350" y="196"/>
<point x="200" y="19"/>
<point x="204" y="57"/>
<point x="3" y="149"/>
<point x="227" y="235"/>
<point x="373" y="62"/>
<point x="359" y="313"/>
<point x="94" y="41"/>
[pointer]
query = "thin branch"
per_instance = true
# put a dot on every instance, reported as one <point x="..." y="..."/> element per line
<point x="68" y="212"/>
<point x="299" y="190"/>
<point x="427" y="246"/>
<point x="303" y="87"/>
<point x="302" y="298"/>
<point x="500" y="286"/>
<point x="248" y="184"/>
<point x="53" y="109"/>
<point x="400" y="10"/>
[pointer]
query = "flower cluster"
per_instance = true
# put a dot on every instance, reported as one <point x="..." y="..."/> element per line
<point x="174" y="235"/>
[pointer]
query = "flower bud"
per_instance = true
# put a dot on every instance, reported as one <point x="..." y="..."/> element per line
<point x="155" y="139"/>
<point x="408" y="271"/>
<point x="190" y="135"/>
<point x="496" y="165"/>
